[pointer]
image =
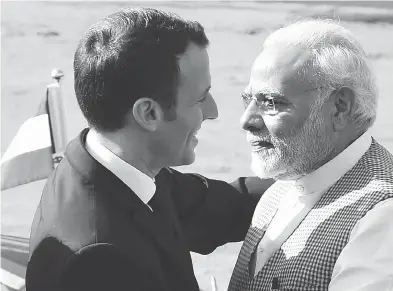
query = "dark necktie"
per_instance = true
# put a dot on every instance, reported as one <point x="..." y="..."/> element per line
<point x="161" y="206"/>
<point x="157" y="202"/>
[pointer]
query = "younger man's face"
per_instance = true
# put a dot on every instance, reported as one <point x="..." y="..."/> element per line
<point x="177" y="138"/>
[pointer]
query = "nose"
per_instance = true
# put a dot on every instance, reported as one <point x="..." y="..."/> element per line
<point x="251" y="119"/>
<point x="209" y="108"/>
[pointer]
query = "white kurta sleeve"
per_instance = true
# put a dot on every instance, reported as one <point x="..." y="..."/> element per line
<point x="366" y="262"/>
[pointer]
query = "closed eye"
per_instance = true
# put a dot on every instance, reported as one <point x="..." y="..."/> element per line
<point x="265" y="102"/>
<point x="202" y="99"/>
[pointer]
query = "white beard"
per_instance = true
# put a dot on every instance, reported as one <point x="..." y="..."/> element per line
<point x="295" y="155"/>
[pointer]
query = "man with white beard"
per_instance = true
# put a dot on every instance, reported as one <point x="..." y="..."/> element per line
<point x="326" y="224"/>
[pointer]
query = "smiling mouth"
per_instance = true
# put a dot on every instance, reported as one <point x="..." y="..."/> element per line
<point x="194" y="139"/>
<point x="260" y="145"/>
<point x="194" y="136"/>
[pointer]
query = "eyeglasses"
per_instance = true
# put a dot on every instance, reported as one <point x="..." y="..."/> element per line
<point x="263" y="101"/>
<point x="269" y="102"/>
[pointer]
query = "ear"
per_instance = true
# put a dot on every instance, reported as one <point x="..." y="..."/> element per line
<point x="343" y="102"/>
<point x="147" y="113"/>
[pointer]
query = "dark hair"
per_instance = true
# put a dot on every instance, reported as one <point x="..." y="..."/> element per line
<point x="129" y="55"/>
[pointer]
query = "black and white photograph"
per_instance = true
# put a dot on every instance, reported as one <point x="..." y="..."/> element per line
<point x="196" y="145"/>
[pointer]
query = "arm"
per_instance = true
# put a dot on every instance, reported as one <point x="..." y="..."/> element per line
<point x="214" y="212"/>
<point x="366" y="262"/>
<point x="253" y="186"/>
<point x="104" y="267"/>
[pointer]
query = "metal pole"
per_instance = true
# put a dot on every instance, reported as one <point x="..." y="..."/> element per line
<point x="56" y="115"/>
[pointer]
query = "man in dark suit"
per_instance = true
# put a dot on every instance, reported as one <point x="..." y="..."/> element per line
<point x="113" y="215"/>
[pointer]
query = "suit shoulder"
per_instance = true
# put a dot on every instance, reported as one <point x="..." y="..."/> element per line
<point x="252" y="185"/>
<point x="67" y="210"/>
<point x="179" y="179"/>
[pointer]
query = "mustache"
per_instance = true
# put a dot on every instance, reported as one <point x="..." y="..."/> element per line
<point x="255" y="139"/>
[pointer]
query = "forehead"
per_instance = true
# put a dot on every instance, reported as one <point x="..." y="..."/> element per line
<point x="194" y="71"/>
<point x="282" y="69"/>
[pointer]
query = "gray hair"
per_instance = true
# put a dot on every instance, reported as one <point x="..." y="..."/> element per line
<point x="337" y="60"/>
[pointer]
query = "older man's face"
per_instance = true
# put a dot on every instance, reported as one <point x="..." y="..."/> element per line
<point x="286" y="128"/>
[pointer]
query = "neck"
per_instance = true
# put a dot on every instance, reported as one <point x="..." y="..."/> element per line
<point x="132" y="151"/>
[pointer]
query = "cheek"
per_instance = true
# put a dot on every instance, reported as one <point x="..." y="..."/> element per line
<point x="194" y="118"/>
<point x="282" y="126"/>
<point x="288" y="123"/>
<point x="189" y="122"/>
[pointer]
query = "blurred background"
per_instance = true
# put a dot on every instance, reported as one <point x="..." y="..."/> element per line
<point x="39" y="36"/>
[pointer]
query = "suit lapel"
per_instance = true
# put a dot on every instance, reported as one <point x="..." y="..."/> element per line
<point x="162" y="224"/>
<point x="152" y="224"/>
<point x="162" y="233"/>
<point x="158" y="224"/>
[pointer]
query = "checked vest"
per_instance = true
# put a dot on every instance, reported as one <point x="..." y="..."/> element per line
<point x="306" y="260"/>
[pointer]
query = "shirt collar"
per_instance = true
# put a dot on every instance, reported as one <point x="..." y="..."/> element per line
<point x="325" y="176"/>
<point x="143" y="186"/>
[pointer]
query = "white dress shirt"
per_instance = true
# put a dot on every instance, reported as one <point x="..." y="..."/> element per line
<point x="141" y="184"/>
<point x="366" y="262"/>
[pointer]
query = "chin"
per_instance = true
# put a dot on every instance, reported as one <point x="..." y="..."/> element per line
<point x="185" y="159"/>
<point x="267" y="168"/>
<point x="188" y="159"/>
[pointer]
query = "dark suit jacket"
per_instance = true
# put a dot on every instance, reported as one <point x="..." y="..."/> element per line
<point x="91" y="232"/>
